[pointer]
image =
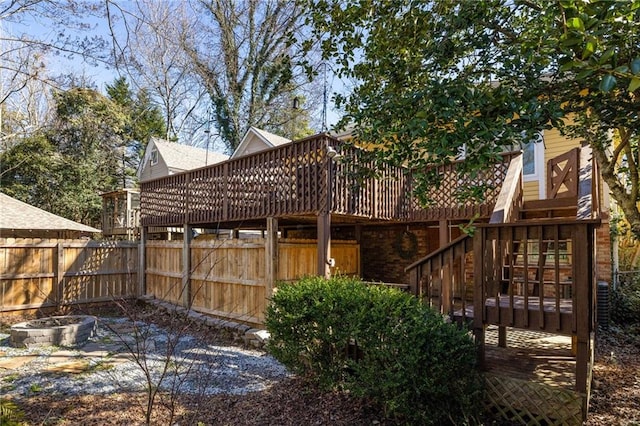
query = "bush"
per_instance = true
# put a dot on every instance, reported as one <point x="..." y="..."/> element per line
<point x="625" y="304"/>
<point x="378" y="343"/>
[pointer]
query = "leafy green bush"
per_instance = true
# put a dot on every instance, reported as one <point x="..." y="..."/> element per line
<point x="625" y="304"/>
<point x="378" y="343"/>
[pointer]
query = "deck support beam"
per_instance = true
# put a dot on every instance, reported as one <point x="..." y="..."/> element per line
<point x="583" y="276"/>
<point x="324" y="245"/>
<point x="447" y="269"/>
<point x="271" y="256"/>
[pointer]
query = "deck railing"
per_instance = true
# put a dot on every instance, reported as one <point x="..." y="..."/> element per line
<point x="534" y="275"/>
<point x="299" y="179"/>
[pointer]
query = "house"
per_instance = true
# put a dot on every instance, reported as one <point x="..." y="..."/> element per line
<point x="164" y="158"/>
<point x="531" y="259"/>
<point x="22" y="220"/>
<point x="256" y="140"/>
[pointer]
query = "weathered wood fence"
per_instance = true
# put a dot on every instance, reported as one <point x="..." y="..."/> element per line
<point x="228" y="278"/>
<point x="49" y="273"/>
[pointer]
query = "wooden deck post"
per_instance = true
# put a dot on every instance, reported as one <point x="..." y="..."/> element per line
<point x="185" y="290"/>
<point x="271" y="256"/>
<point x="59" y="293"/>
<point x="478" y="291"/>
<point x="324" y="244"/>
<point x="358" y="237"/>
<point x="583" y="306"/>
<point x="447" y="269"/>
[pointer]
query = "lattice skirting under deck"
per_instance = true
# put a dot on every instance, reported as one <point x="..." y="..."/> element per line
<point x="533" y="403"/>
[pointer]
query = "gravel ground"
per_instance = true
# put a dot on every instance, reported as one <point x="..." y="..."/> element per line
<point x="243" y="387"/>
<point x="116" y="361"/>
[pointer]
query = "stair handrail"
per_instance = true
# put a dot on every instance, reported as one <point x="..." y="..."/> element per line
<point x="461" y="245"/>
<point x="509" y="200"/>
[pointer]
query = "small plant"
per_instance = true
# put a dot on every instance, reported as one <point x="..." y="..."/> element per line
<point x="10" y="378"/>
<point x="10" y="413"/>
<point x="35" y="388"/>
<point x="101" y="366"/>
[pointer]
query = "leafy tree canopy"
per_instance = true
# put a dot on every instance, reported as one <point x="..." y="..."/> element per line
<point x="435" y="76"/>
<point x="90" y="147"/>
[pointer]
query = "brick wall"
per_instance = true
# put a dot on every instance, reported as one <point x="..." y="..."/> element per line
<point x="603" y="253"/>
<point x="382" y="257"/>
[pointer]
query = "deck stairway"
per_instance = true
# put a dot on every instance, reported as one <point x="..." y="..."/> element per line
<point x="529" y="270"/>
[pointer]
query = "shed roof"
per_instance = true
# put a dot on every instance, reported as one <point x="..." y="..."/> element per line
<point x="17" y="215"/>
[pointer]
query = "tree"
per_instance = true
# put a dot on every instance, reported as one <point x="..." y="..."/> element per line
<point x="24" y="58"/>
<point x="29" y="169"/>
<point x="143" y="120"/>
<point x="64" y="167"/>
<point x="244" y="53"/>
<point x="152" y="56"/>
<point x="485" y="75"/>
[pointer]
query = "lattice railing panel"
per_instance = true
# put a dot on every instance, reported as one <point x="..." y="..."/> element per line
<point x="163" y="201"/>
<point x="294" y="179"/>
<point x="532" y="403"/>
<point x="287" y="180"/>
<point x="444" y="200"/>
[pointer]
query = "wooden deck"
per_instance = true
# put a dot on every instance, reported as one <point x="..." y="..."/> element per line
<point x="298" y="181"/>
<point x="518" y="311"/>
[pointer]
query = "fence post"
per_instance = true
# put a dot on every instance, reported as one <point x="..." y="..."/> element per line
<point x="59" y="293"/>
<point x="142" y="262"/>
<point x="185" y="290"/>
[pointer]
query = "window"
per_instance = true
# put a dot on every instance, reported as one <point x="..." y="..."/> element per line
<point x="154" y="157"/>
<point x="533" y="163"/>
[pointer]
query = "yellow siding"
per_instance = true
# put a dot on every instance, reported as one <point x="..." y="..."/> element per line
<point x="555" y="144"/>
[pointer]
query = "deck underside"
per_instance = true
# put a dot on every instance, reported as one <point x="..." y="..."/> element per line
<point x="532" y="379"/>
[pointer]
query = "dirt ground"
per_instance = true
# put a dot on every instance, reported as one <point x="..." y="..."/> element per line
<point x="615" y="401"/>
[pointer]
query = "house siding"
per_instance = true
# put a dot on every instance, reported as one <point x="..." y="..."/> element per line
<point x="155" y="171"/>
<point x="555" y="144"/>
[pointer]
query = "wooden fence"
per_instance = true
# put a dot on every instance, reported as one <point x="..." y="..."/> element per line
<point x="228" y="277"/>
<point x="37" y="273"/>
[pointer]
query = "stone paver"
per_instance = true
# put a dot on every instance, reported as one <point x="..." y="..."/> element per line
<point x="75" y="366"/>
<point x="16" y="362"/>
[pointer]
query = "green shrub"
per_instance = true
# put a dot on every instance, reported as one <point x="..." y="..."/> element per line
<point x="379" y="343"/>
<point x="625" y="304"/>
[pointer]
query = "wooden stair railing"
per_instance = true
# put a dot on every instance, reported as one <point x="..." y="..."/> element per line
<point x="509" y="203"/>
<point x="439" y="278"/>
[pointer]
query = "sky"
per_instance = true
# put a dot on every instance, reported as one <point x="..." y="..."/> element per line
<point x="102" y="74"/>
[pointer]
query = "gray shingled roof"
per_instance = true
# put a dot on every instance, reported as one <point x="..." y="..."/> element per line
<point x="186" y="157"/>
<point x="15" y="214"/>
<point x="275" y="140"/>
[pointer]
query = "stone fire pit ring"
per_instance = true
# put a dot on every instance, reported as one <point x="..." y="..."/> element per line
<point x="67" y="330"/>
